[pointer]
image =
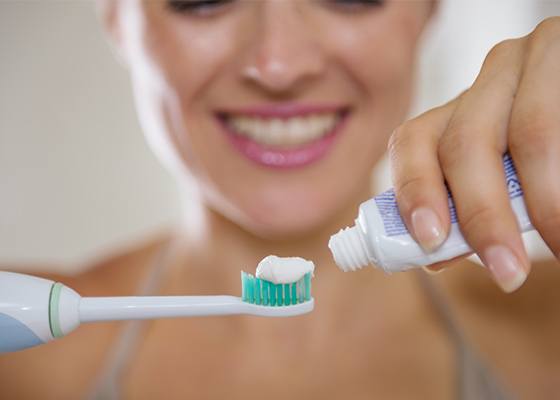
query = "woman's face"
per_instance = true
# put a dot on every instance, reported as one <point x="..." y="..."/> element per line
<point x="278" y="108"/>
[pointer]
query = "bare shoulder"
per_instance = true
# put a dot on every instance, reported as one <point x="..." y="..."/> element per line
<point x="65" y="368"/>
<point x="116" y="274"/>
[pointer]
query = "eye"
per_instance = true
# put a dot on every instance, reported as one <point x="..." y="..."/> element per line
<point x="362" y="2"/>
<point x="355" y="5"/>
<point x="197" y="7"/>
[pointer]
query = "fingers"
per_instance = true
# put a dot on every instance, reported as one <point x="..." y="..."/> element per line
<point x="513" y="105"/>
<point x="470" y="154"/>
<point x="534" y="134"/>
<point x="436" y="268"/>
<point x="418" y="181"/>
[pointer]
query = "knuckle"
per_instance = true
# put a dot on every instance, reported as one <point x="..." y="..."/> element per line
<point x="531" y="132"/>
<point x="547" y="220"/>
<point x="479" y="219"/>
<point x="456" y="142"/>
<point x="412" y="131"/>
<point x="547" y="223"/>
<point x="546" y="33"/>
<point x="397" y="138"/>
<point x="501" y="50"/>
<point x="501" y="66"/>
<point x="409" y="191"/>
<point x="408" y="186"/>
<point x="402" y="137"/>
<point x="546" y="28"/>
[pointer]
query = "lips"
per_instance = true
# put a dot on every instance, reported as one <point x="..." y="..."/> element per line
<point x="284" y="136"/>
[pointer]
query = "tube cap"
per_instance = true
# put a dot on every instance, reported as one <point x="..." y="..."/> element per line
<point x="348" y="249"/>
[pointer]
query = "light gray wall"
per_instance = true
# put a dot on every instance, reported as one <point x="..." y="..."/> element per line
<point x="77" y="180"/>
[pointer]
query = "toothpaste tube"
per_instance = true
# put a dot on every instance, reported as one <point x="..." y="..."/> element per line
<point x="381" y="238"/>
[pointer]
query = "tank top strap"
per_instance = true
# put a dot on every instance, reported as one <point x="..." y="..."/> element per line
<point x="474" y="378"/>
<point x="108" y="384"/>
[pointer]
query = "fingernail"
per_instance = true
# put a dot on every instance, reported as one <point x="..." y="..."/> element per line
<point x="427" y="228"/>
<point x="505" y="267"/>
<point x="433" y="271"/>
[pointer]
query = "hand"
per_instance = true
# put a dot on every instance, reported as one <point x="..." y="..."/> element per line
<point x="513" y="105"/>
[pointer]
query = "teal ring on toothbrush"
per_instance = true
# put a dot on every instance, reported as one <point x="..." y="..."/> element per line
<point x="54" y="314"/>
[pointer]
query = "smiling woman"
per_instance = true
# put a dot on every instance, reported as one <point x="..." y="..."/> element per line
<point x="217" y="93"/>
<point x="275" y="113"/>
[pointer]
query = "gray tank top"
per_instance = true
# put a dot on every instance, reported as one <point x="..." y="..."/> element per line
<point x="474" y="380"/>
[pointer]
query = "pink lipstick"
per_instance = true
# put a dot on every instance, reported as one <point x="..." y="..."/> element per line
<point x="284" y="135"/>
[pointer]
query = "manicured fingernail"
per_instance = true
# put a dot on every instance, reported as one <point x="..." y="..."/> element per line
<point x="505" y="267"/>
<point x="427" y="228"/>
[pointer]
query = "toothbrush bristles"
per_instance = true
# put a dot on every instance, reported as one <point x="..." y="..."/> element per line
<point x="261" y="292"/>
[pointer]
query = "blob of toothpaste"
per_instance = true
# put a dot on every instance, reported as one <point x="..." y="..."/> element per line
<point x="284" y="269"/>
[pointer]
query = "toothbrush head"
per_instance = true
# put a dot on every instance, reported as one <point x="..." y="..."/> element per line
<point x="265" y="293"/>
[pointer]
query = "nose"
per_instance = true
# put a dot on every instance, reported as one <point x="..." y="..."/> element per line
<point x="284" y="51"/>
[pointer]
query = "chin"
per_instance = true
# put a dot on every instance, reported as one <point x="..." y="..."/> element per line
<point x="289" y="220"/>
<point x="284" y="230"/>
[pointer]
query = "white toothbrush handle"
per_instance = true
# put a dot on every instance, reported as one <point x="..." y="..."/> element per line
<point x="149" y="307"/>
<point x="34" y="311"/>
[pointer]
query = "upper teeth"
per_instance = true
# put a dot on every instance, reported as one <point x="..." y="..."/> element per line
<point x="284" y="132"/>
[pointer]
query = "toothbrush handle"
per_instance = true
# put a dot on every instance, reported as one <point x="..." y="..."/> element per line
<point x="147" y="307"/>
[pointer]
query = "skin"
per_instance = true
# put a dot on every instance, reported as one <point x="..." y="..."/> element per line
<point x="371" y="334"/>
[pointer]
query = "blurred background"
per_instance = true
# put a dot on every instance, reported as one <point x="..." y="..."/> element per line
<point x="77" y="181"/>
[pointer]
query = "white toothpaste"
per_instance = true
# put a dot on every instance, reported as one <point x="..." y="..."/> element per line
<point x="283" y="269"/>
<point x="380" y="236"/>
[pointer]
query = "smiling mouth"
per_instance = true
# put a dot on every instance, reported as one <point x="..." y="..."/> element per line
<point x="284" y="136"/>
<point x="284" y="133"/>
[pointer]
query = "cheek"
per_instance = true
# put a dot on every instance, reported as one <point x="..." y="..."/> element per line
<point x="189" y="57"/>
<point x="379" y="52"/>
<point x="176" y="66"/>
<point x="379" y="58"/>
<point x="378" y="62"/>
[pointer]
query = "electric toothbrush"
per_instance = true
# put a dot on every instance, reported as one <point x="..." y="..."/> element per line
<point x="34" y="311"/>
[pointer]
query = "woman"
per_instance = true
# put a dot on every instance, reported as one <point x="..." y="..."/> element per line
<point x="276" y="111"/>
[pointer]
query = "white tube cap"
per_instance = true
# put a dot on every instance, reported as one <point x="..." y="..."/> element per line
<point x="348" y="249"/>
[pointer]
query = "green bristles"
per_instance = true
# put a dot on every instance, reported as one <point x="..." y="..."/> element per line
<point x="261" y="292"/>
